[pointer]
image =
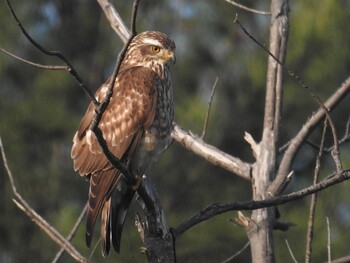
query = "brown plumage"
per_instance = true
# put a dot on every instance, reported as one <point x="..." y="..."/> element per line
<point x="136" y="126"/>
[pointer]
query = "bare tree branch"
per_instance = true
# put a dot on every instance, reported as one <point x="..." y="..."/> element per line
<point x="72" y="233"/>
<point x="219" y="208"/>
<point x="310" y="229"/>
<point x="278" y="185"/>
<point x="329" y="254"/>
<point x="54" y="53"/>
<point x="115" y="20"/>
<point x="210" y="153"/>
<point x="243" y="7"/>
<point x="206" y="121"/>
<point x="345" y="259"/>
<point x="231" y="258"/>
<point x="36" y="218"/>
<point x="290" y="251"/>
<point x="49" y="67"/>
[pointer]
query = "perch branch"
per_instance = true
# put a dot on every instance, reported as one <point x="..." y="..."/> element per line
<point x="105" y="102"/>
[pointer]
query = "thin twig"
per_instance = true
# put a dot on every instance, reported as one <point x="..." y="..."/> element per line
<point x="228" y="260"/>
<point x="209" y="107"/>
<point x="36" y="218"/>
<point x="72" y="233"/>
<point x="290" y="251"/>
<point x="335" y="152"/>
<point x="328" y="241"/>
<point x="344" y="139"/>
<point x="243" y="7"/>
<point x="54" y="53"/>
<point x="310" y="229"/>
<point x="49" y="67"/>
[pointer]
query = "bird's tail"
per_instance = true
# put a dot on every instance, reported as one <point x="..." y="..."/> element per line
<point x="113" y="216"/>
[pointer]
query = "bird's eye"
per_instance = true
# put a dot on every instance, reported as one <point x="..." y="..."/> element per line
<point x="155" y="49"/>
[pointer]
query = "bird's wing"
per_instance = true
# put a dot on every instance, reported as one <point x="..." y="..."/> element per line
<point x="131" y="110"/>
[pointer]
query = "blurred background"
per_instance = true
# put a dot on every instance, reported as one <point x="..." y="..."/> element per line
<point x="40" y="111"/>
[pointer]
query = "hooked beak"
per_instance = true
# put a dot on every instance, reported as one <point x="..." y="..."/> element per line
<point x="170" y="56"/>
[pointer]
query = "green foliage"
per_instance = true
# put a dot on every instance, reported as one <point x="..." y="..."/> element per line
<point x="40" y="110"/>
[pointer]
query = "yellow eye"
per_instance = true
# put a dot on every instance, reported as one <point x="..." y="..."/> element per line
<point x="155" y="49"/>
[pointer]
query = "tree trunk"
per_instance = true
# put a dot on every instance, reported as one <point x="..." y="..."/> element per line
<point x="260" y="230"/>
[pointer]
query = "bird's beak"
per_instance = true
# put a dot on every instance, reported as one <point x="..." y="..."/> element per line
<point x="170" y="56"/>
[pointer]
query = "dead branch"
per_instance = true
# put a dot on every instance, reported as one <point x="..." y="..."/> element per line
<point x="115" y="20"/>
<point x="206" y="121"/>
<point x="57" y="54"/>
<point x="252" y="10"/>
<point x="210" y="153"/>
<point x="220" y="208"/>
<point x="36" y="218"/>
<point x="310" y="228"/>
<point x="329" y="254"/>
<point x="278" y="184"/>
<point x="231" y="258"/>
<point x="72" y="233"/>
<point x="49" y="67"/>
<point x="290" y="251"/>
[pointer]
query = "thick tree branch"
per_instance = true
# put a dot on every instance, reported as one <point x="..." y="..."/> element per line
<point x="115" y="20"/>
<point x="210" y="153"/>
<point x="36" y="218"/>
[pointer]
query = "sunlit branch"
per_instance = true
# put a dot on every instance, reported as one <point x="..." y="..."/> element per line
<point x="115" y="20"/>
<point x="210" y="153"/>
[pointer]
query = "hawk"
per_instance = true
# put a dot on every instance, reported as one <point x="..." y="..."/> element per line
<point x="136" y="126"/>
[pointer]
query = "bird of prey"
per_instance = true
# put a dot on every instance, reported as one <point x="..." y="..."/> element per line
<point x="136" y="126"/>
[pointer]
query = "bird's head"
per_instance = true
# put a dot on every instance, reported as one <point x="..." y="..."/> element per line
<point x="150" y="48"/>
